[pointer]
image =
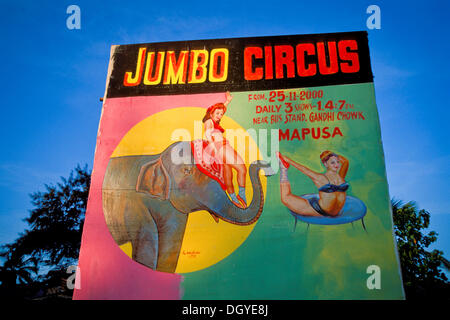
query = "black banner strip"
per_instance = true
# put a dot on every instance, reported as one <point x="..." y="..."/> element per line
<point x="240" y="64"/>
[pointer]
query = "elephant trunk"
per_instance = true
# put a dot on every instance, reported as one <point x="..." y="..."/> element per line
<point x="235" y="215"/>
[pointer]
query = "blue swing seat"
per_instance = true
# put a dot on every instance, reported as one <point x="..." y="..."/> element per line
<point x="353" y="210"/>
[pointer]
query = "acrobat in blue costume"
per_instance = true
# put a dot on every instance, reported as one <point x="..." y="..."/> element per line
<point x="331" y="206"/>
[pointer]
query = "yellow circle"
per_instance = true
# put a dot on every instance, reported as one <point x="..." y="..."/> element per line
<point x="205" y="241"/>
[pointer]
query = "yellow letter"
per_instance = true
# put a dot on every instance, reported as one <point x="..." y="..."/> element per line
<point x="175" y="71"/>
<point x="157" y="71"/>
<point x="197" y="65"/>
<point x="220" y="75"/>
<point x="130" y="81"/>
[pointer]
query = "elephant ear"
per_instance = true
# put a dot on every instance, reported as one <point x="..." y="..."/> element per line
<point x="153" y="179"/>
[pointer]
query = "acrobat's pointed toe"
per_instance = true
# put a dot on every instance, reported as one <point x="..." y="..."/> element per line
<point x="282" y="160"/>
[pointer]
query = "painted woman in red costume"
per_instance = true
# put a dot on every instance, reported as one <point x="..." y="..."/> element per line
<point x="224" y="152"/>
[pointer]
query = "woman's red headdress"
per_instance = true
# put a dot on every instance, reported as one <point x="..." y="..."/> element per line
<point x="216" y="106"/>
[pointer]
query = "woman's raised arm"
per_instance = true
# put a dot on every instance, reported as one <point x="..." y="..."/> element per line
<point x="229" y="98"/>
<point x="303" y="169"/>
<point x="344" y="166"/>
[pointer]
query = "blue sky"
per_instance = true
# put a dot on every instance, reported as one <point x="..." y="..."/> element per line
<point x="53" y="78"/>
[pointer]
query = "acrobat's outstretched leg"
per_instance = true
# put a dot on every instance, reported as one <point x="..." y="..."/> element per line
<point x="294" y="203"/>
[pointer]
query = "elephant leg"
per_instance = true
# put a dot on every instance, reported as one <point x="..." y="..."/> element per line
<point x="170" y="234"/>
<point x="145" y="246"/>
<point x="143" y="234"/>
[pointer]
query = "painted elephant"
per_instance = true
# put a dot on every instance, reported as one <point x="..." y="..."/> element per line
<point x="147" y="199"/>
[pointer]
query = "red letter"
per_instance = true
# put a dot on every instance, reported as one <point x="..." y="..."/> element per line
<point x="302" y="69"/>
<point x="283" y="135"/>
<point x="353" y="58"/>
<point x="305" y="131"/>
<point x="337" y="131"/>
<point x="249" y="53"/>
<point x="321" y="56"/>
<point x="284" y="56"/>
<point x="295" y="135"/>
<point x="269" y="62"/>
<point x="316" y="135"/>
<point x="326" y="134"/>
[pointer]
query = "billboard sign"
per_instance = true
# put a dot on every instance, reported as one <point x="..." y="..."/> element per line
<point x="246" y="168"/>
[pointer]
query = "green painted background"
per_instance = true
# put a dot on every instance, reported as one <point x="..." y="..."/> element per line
<point x="324" y="262"/>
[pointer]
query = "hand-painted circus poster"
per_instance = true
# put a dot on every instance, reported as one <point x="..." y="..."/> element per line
<point x="246" y="168"/>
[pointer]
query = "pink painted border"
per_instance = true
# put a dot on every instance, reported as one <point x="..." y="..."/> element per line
<point x="106" y="271"/>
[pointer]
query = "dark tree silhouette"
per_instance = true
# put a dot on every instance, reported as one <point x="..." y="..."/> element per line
<point x="53" y="239"/>
<point x="422" y="276"/>
<point x="16" y="271"/>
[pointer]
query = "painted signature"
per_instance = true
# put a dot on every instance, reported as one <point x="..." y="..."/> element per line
<point x="191" y="254"/>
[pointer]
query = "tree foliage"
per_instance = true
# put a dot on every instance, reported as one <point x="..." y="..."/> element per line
<point x="53" y="238"/>
<point x="422" y="276"/>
